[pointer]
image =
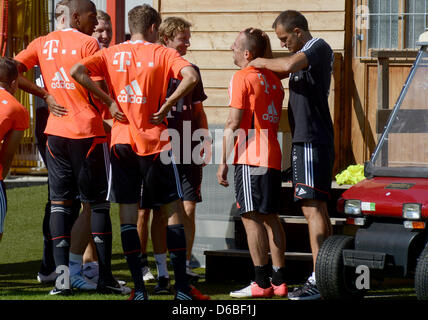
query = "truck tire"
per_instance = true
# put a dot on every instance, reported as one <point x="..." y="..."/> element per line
<point x="421" y="276"/>
<point x="334" y="280"/>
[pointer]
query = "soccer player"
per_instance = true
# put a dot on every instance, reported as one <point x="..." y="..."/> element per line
<point x="310" y="69"/>
<point x="138" y="71"/>
<point x="103" y="33"/>
<point x="186" y="117"/>
<point x="14" y="119"/>
<point x="75" y="148"/>
<point x="47" y="272"/>
<point x="256" y="97"/>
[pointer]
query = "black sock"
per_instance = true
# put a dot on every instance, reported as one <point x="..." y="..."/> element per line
<point x="102" y="235"/>
<point x="144" y="261"/>
<point x="132" y="250"/>
<point x="262" y="276"/>
<point x="60" y="226"/>
<point x="48" y="263"/>
<point x="176" y="242"/>
<point x="278" y="276"/>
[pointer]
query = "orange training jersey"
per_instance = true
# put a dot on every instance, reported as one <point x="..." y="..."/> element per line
<point x="259" y="93"/>
<point x="56" y="53"/>
<point x="138" y="73"/>
<point x="13" y="116"/>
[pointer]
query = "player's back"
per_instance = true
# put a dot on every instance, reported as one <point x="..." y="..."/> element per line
<point x="56" y="53"/>
<point x="138" y="74"/>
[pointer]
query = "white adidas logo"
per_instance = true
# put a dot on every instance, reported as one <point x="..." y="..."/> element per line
<point x="301" y="192"/>
<point x="98" y="240"/>
<point x="271" y="115"/>
<point x="62" y="81"/>
<point x="132" y="94"/>
<point x="62" y="244"/>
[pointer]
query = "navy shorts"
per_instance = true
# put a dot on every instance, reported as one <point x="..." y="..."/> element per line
<point x="142" y="179"/>
<point x="191" y="180"/>
<point x="77" y="168"/>
<point x="257" y="189"/>
<point x="312" y="168"/>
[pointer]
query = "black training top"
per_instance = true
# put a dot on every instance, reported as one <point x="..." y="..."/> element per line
<point x="180" y="118"/>
<point x="308" y="111"/>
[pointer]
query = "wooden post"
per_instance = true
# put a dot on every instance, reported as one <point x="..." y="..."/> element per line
<point x="116" y="10"/>
<point x="383" y="97"/>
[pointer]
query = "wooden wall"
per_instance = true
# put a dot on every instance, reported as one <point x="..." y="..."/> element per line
<point x="363" y="93"/>
<point x="215" y="25"/>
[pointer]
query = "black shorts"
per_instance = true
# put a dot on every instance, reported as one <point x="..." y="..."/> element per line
<point x="312" y="166"/>
<point x="134" y="176"/>
<point x="191" y="180"/>
<point x="257" y="189"/>
<point x="77" y="168"/>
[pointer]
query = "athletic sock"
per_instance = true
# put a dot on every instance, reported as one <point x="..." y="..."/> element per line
<point x="60" y="226"/>
<point x="262" y="276"/>
<point x="48" y="263"/>
<point x="176" y="242"/>
<point x="75" y="263"/>
<point x="161" y="265"/>
<point x="312" y="279"/>
<point x="278" y="275"/>
<point x="102" y="235"/>
<point x="132" y="250"/>
<point x="144" y="261"/>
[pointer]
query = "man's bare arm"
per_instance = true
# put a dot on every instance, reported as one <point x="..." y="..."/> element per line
<point x="283" y="65"/>
<point x="80" y="73"/>
<point x="233" y="123"/>
<point x="10" y="144"/>
<point x="32" y="88"/>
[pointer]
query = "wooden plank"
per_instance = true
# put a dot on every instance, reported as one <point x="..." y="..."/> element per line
<point x="216" y="78"/>
<point x="218" y="59"/>
<point x="168" y="6"/>
<point x="238" y="21"/>
<point x="223" y="40"/>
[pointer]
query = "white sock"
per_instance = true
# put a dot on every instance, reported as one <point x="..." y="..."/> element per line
<point x="312" y="279"/>
<point x="75" y="263"/>
<point x="188" y="263"/>
<point x="161" y="265"/>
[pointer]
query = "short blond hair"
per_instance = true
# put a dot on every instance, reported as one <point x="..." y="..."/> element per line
<point x="171" y="26"/>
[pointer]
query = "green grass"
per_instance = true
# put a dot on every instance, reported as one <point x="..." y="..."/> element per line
<point x="21" y="252"/>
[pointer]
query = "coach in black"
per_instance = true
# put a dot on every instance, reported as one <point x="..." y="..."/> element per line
<point x="309" y="69"/>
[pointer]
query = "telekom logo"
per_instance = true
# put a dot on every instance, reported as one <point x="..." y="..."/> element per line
<point x="121" y="61"/>
<point x="50" y="47"/>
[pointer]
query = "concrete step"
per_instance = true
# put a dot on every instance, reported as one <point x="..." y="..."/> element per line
<point x="236" y="265"/>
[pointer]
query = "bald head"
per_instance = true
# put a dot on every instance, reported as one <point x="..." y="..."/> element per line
<point x="83" y="15"/>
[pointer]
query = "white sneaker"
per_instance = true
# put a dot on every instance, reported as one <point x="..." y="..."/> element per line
<point x="191" y="273"/>
<point x="252" y="291"/>
<point x="78" y="281"/>
<point x="114" y="287"/>
<point x="47" y="279"/>
<point x="147" y="274"/>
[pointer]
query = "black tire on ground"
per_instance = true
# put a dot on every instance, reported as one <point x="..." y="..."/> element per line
<point x="421" y="276"/>
<point x="334" y="280"/>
